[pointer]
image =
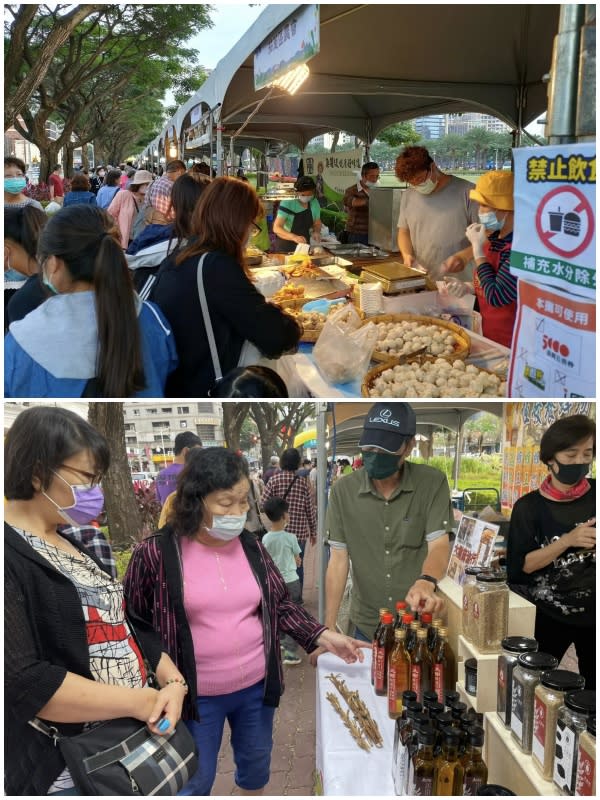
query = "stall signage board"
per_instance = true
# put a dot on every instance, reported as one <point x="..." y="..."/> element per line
<point x="554" y="240"/>
<point x="473" y="546"/>
<point x="333" y="172"/>
<point x="291" y="44"/>
<point x="195" y="114"/>
<point x="554" y="344"/>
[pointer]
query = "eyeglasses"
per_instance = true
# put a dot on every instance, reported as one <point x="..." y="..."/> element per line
<point x="92" y="479"/>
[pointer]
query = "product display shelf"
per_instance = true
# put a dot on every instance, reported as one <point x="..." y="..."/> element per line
<point x="487" y="676"/>
<point x="508" y="766"/>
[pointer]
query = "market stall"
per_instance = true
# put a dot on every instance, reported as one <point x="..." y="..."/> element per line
<point x="398" y="325"/>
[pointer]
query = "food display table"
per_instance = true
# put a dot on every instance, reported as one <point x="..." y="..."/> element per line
<point x="342" y="767"/>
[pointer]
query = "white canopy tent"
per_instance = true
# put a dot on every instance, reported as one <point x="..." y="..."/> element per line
<point x="379" y="64"/>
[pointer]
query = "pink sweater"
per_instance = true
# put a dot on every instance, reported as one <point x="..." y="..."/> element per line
<point x="222" y="604"/>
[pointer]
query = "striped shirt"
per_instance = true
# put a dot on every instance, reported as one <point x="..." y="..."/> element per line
<point x="499" y="288"/>
<point x="302" y="511"/>
<point x="154" y="592"/>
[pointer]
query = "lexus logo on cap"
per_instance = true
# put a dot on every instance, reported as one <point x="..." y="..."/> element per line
<point x="386" y="413"/>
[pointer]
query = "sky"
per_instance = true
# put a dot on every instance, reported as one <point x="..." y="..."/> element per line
<point x="230" y="23"/>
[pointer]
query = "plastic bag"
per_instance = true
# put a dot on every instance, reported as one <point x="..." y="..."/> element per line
<point x="284" y="366"/>
<point x="344" y="348"/>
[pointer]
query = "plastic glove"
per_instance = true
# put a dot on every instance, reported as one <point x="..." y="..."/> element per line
<point x="477" y="235"/>
<point x="459" y="288"/>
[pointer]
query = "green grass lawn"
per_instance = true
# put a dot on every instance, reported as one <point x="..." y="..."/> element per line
<point x="388" y="179"/>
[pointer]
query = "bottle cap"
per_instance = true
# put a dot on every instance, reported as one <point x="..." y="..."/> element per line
<point x="421" y="634"/>
<point x="451" y="736"/>
<point x="412" y="708"/>
<point x="408" y="696"/>
<point x="494" y="789"/>
<point x="426" y="618"/>
<point x="399" y="633"/>
<point x="387" y="618"/>
<point x="476" y="736"/>
<point x="427" y="735"/>
<point x="537" y="662"/>
<point x="451" y="697"/>
<point x="562" y="679"/>
<point x="407" y="618"/>
<point x="400" y="604"/>
<point x="429" y="697"/>
<point x="519" y="644"/>
<point x="383" y="611"/>
<point x="444" y="719"/>
<point x="491" y="577"/>
<point x="443" y="631"/>
<point x="458" y="709"/>
<point x="435" y="709"/>
<point x="473" y="570"/>
<point x="583" y="702"/>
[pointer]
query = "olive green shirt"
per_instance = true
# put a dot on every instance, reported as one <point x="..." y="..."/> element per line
<point x="386" y="539"/>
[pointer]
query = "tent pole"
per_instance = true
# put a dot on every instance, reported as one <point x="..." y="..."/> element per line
<point x="458" y="451"/>
<point x="564" y="75"/>
<point x="321" y="503"/>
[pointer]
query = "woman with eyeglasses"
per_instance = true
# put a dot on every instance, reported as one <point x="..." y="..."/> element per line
<point x="93" y="337"/>
<point x="222" y="226"/>
<point x="72" y="651"/>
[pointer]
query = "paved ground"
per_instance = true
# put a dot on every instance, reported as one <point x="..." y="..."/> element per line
<point x="293" y="760"/>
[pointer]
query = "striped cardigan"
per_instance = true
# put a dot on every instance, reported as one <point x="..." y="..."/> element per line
<point x="154" y="592"/>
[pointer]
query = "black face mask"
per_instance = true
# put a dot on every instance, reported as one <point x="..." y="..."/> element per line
<point x="570" y="474"/>
<point x="380" y="465"/>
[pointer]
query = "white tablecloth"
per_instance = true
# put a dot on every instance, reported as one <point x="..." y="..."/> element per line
<point x="346" y="769"/>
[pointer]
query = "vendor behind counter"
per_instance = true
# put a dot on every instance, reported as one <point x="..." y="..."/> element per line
<point x="298" y="219"/>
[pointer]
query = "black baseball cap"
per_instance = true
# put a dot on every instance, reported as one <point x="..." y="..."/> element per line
<point x="388" y="426"/>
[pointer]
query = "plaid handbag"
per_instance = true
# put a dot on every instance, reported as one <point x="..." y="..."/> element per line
<point x="122" y="757"/>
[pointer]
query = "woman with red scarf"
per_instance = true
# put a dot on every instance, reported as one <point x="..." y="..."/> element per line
<point x="552" y="542"/>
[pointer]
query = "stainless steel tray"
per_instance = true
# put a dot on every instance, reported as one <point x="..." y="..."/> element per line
<point x="356" y="251"/>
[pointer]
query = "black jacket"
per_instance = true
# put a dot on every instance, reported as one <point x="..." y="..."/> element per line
<point x="44" y="638"/>
<point x="238" y="312"/>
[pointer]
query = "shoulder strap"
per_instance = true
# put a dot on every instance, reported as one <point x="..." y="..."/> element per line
<point x="289" y="488"/>
<point x="214" y="354"/>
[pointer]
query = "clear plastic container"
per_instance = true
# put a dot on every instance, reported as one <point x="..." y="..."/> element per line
<point x="468" y="590"/>
<point x="489" y="611"/>
<point x="571" y="723"/>
<point x="526" y="676"/>
<point x="549" y="696"/>
<point x="512" y="648"/>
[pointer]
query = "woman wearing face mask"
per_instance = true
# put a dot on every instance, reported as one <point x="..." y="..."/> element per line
<point x="296" y="218"/>
<point x="211" y="590"/>
<point x="126" y="204"/>
<point x="222" y="225"/>
<point x="93" y="337"/>
<point x="70" y="653"/>
<point x="552" y="541"/>
<point x="491" y="239"/>
<point x="14" y="197"/>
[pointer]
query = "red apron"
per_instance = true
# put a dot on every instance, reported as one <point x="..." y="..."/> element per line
<point x="497" y="322"/>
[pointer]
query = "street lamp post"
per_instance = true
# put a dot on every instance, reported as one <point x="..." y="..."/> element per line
<point x="162" y="443"/>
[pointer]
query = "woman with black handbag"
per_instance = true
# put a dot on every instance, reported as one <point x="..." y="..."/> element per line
<point x="72" y="654"/>
<point x="551" y="552"/>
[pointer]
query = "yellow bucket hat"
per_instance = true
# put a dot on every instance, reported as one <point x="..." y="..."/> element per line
<point x="495" y="189"/>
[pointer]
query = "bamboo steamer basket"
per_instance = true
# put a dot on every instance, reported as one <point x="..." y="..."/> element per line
<point x="462" y="339"/>
<point x="372" y="374"/>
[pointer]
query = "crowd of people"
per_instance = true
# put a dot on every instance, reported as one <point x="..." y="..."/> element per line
<point x="180" y="265"/>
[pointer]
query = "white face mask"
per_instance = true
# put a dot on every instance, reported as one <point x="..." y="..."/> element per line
<point x="371" y="184"/>
<point x="426" y="187"/>
<point x="227" y="527"/>
<point x="305" y="198"/>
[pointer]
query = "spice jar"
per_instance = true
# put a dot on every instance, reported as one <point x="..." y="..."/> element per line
<point x="548" y="698"/>
<point x="471" y="676"/>
<point x="468" y="589"/>
<point x="585" y="780"/>
<point x="512" y="648"/>
<point x="489" y="611"/>
<point x="526" y="676"/>
<point x="571" y="723"/>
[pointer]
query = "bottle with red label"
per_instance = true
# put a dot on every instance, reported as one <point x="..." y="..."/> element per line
<point x="411" y="635"/>
<point x="401" y="607"/>
<point x="442" y="665"/>
<point x="398" y="674"/>
<point x="420" y="666"/>
<point x="382" y="611"/>
<point x="385" y="642"/>
<point x="432" y="633"/>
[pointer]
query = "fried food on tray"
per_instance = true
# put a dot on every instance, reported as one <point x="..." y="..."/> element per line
<point x="288" y="292"/>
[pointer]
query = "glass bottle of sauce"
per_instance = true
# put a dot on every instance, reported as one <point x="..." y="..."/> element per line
<point x="432" y="633"/>
<point x="548" y="697"/>
<point x="448" y="774"/>
<point x="385" y="642"/>
<point x="401" y="607"/>
<point x="423" y="768"/>
<point x="476" y="771"/>
<point x="443" y="664"/>
<point x="512" y="648"/>
<point x="420" y="666"/>
<point x="382" y="611"/>
<point x="411" y="636"/>
<point x="398" y="680"/>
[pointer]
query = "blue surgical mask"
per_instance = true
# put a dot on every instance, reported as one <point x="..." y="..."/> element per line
<point x="227" y="527"/>
<point x="47" y="282"/>
<point x="490" y="221"/>
<point x="14" y="185"/>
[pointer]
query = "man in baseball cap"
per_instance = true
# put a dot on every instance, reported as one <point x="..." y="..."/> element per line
<point x="390" y="519"/>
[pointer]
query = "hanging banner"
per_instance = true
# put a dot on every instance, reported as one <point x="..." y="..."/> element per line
<point x="524" y="426"/>
<point x="554" y="241"/>
<point x="291" y="44"/>
<point x="195" y="114"/>
<point x="333" y="172"/>
<point x="554" y="344"/>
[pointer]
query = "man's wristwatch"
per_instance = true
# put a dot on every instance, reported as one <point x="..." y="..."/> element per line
<point x="429" y="578"/>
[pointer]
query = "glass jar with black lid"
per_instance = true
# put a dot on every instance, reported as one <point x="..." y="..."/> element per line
<point x="512" y="648"/>
<point x="571" y="723"/>
<point x="526" y="676"/>
<point x="549" y="696"/>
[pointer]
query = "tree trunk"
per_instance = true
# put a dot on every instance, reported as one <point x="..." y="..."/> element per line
<point x="48" y="159"/>
<point x="234" y="415"/>
<point x="334" y="143"/>
<point x="67" y="166"/>
<point x="124" y="520"/>
<point x="85" y="161"/>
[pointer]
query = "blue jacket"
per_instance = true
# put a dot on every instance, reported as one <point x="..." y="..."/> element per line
<point x="72" y="198"/>
<point x="52" y="352"/>
<point x="152" y="234"/>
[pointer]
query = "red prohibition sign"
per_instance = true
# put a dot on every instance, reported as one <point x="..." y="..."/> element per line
<point x="583" y="205"/>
